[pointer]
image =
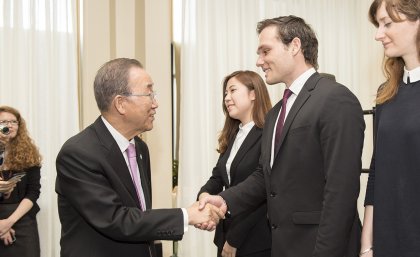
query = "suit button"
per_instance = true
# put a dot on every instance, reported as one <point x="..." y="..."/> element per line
<point x="273" y="226"/>
<point x="273" y="194"/>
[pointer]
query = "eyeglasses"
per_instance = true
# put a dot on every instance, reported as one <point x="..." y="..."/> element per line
<point x="152" y="95"/>
<point x="7" y="122"/>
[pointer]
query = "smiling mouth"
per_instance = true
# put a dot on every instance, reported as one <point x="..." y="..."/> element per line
<point x="265" y="69"/>
<point x="229" y="107"/>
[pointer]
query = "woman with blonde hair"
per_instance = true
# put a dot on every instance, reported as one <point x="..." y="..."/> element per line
<point x="391" y="224"/>
<point x="18" y="208"/>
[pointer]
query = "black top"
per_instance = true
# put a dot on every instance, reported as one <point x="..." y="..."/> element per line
<point x="29" y="187"/>
<point x="248" y="232"/>
<point x="394" y="179"/>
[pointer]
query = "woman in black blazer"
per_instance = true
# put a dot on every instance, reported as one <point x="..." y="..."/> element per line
<point x="245" y="104"/>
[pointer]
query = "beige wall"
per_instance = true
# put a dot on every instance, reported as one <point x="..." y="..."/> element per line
<point x="136" y="29"/>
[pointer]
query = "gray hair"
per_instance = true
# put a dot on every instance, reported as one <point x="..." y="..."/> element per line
<point x="111" y="80"/>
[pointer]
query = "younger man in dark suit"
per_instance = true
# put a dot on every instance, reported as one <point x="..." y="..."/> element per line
<point x="103" y="175"/>
<point x="311" y="150"/>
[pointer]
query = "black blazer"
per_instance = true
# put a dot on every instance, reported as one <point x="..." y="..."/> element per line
<point x="313" y="186"/>
<point x="97" y="203"/>
<point x="249" y="232"/>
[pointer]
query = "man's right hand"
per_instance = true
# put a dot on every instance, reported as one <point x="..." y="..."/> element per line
<point x="209" y="215"/>
<point x="214" y="200"/>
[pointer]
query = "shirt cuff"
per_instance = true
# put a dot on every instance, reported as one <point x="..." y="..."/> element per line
<point x="185" y="214"/>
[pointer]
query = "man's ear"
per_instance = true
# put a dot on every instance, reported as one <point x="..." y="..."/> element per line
<point x="119" y="104"/>
<point x="296" y="45"/>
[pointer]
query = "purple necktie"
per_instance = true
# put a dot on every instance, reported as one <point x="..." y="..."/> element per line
<point x="280" y="121"/>
<point x="135" y="175"/>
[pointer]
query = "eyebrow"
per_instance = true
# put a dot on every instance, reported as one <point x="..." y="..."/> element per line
<point x="383" y="18"/>
<point x="261" y="48"/>
<point x="228" y="87"/>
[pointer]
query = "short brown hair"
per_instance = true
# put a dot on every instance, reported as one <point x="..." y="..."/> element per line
<point x="290" y="27"/>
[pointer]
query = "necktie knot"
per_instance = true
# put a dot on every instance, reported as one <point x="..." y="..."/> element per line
<point x="287" y="93"/>
<point x="131" y="151"/>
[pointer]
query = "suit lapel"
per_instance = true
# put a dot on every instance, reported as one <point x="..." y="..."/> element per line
<point x="223" y="162"/>
<point x="119" y="165"/>
<point x="116" y="159"/>
<point x="249" y="141"/>
<point x="301" y="99"/>
<point x="143" y="177"/>
<point x="269" y="127"/>
<point x="271" y="123"/>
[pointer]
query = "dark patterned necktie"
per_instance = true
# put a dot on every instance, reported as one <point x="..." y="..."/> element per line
<point x="287" y="93"/>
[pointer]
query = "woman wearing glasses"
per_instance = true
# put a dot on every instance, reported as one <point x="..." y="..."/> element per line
<point x="245" y="104"/>
<point x="18" y="208"/>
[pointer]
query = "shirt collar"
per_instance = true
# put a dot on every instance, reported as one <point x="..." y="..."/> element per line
<point x="414" y="75"/>
<point x="298" y="84"/>
<point x="119" y="138"/>
<point x="247" y="127"/>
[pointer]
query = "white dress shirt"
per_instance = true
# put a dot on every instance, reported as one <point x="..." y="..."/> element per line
<point x="296" y="87"/>
<point x="122" y="143"/>
<point x="239" y="139"/>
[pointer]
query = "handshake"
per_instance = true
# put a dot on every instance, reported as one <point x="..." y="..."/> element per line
<point x="206" y="213"/>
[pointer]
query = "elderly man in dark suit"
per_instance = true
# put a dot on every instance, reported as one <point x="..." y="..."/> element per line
<point x="104" y="179"/>
<point x="311" y="150"/>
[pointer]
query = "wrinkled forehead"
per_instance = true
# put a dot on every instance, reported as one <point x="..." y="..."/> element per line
<point x="139" y="77"/>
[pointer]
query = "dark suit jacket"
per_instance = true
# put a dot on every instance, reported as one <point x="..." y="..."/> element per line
<point x="313" y="186"/>
<point x="249" y="232"/>
<point x="97" y="201"/>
